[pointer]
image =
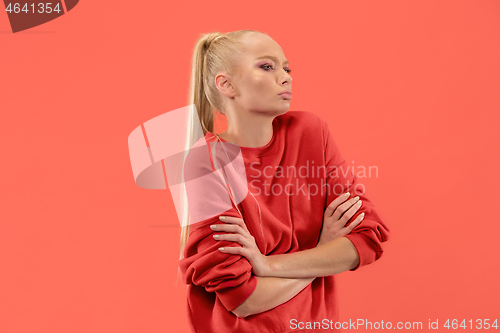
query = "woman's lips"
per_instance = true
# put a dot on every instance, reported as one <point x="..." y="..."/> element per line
<point x="286" y="95"/>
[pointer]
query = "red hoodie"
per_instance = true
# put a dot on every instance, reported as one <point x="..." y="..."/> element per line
<point x="292" y="202"/>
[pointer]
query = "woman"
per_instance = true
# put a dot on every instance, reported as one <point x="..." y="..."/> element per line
<point x="293" y="210"/>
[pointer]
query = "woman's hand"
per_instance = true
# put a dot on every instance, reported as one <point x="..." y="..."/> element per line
<point x="336" y="216"/>
<point x="241" y="235"/>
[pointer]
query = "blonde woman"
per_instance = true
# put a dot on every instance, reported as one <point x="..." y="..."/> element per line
<point x="265" y="259"/>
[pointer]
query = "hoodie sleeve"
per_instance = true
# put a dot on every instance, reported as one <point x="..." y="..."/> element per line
<point x="229" y="276"/>
<point x="369" y="235"/>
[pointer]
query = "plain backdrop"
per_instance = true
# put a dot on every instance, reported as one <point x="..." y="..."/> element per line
<point x="409" y="87"/>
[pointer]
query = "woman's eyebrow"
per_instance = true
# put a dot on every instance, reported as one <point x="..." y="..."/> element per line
<point x="273" y="58"/>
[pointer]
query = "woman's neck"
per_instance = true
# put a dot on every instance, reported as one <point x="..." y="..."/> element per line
<point x="253" y="133"/>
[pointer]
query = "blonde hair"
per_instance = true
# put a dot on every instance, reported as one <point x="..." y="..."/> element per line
<point x="213" y="53"/>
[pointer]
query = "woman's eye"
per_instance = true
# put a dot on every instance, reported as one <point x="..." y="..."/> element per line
<point x="267" y="65"/>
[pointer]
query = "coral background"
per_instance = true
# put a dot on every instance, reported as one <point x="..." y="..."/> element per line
<point x="409" y="87"/>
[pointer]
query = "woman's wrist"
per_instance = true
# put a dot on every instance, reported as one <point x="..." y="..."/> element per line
<point x="331" y="258"/>
<point x="286" y="266"/>
<point x="275" y="268"/>
<point x="273" y="264"/>
<point x="266" y="269"/>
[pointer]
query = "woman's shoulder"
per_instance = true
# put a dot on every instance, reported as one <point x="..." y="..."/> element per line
<point x="207" y="154"/>
<point x="197" y="158"/>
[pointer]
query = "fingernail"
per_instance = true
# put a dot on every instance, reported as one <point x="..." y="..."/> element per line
<point x="362" y="215"/>
<point x="359" y="202"/>
<point x="356" y="198"/>
<point x="347" y="194"/>
<point x="213" y="227"/>
<point x="221" y="249"/>
<point x="216" y="236"/>
<point x="222" y="218"/>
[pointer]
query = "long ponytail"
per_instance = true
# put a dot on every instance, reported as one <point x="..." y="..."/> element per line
<point x="213" y="53"/>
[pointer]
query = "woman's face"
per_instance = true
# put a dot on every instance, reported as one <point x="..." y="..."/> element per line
<point x="261" y="74"/>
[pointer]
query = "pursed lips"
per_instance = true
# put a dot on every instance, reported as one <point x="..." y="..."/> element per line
<point x="287" y="94"/>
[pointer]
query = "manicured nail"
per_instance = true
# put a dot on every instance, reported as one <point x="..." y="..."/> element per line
<point x="356" y="198"/>
<point x="222" y="218"/>
<point x="216" y="236"/>
<point x="221" y="249"/>
<point x="213" y="227"/>
<point x="362" y="215"/>
<point x="347" y="194"/>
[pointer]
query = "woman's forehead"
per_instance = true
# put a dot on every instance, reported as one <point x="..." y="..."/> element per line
<point x="260" y="48"/>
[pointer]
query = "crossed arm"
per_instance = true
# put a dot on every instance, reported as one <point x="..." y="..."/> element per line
<point x="281" y="277"/>
<point x="302" y="268"/>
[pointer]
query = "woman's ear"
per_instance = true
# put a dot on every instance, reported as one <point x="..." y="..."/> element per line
<point x="224" y="85"/>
